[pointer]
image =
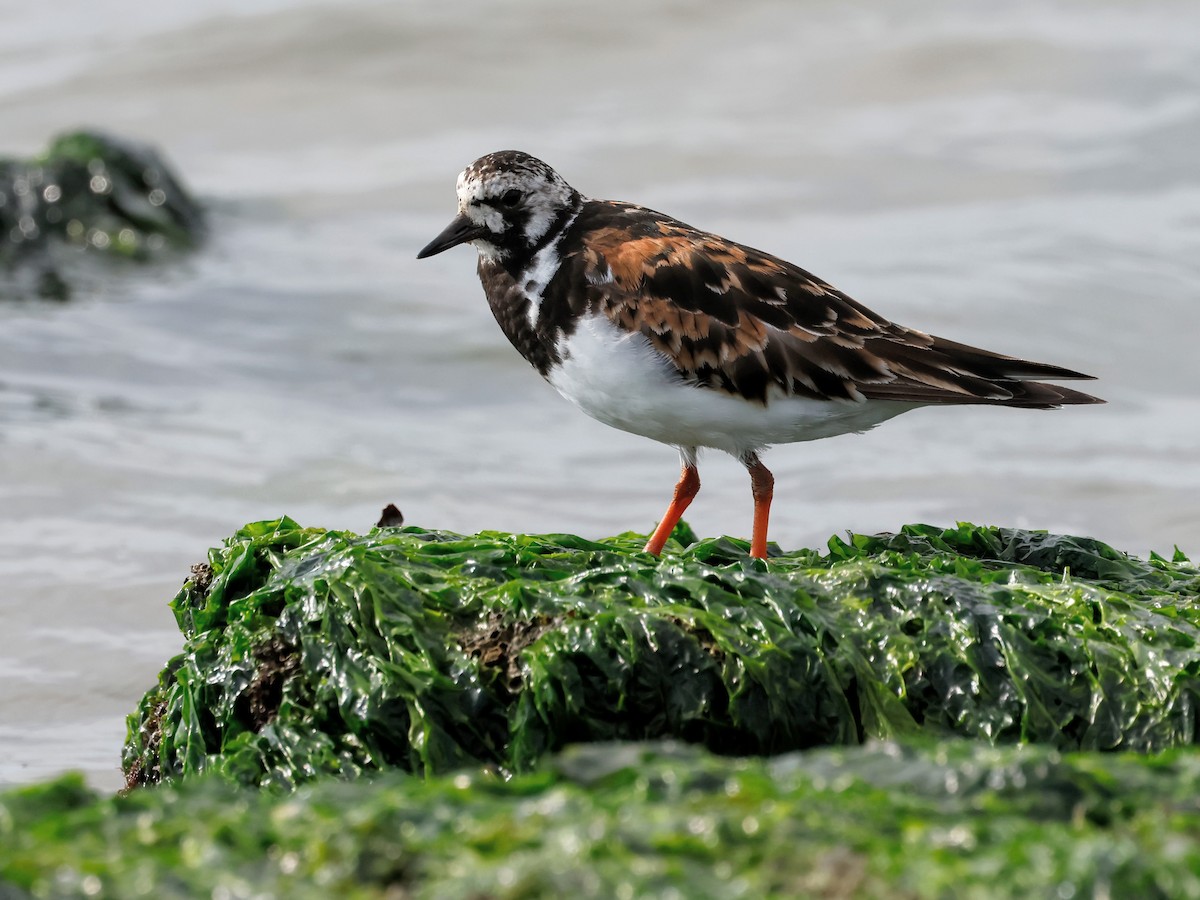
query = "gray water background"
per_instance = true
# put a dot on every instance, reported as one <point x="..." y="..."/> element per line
<point x="1024" y="176"/>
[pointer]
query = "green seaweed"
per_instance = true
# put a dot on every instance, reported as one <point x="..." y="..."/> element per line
<point x="928" y="820"/>
<point x="311" y="652"/>
<point x="88" y="193"/>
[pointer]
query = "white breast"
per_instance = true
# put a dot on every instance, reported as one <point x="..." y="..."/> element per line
<point x="619" y="379"/>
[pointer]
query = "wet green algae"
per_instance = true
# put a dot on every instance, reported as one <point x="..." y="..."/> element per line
<point x="953" y="819"/>
<point x="975" y="678"/>
<point x="312" y="652"/>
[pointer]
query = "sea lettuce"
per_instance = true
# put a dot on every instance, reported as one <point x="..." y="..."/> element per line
<point x="310" y="652"/>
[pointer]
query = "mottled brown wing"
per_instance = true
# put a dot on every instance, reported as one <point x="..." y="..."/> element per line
<point x="740" y="320"/>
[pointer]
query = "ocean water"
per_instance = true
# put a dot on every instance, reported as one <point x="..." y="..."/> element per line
<point x="1022" y="177"/>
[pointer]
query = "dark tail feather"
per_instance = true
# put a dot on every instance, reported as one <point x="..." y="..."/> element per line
<point x="997" y="367"/>
<point x="1021" y="394"/>
<point x="948" y="372"/>
<point x="1039" y="395"/>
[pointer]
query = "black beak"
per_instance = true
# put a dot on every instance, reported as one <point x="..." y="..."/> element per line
<point x="457" y="232"/>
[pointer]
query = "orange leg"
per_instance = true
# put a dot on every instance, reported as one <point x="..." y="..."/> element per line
<point x="685" y="490"/>
<point x="762" y="486"/>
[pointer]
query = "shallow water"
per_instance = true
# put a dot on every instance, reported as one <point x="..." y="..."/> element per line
<point x="1022" y="178"/>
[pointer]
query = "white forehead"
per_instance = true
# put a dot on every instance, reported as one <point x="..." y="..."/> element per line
<point x="473" y="185"/>
<point x="493" y="174"/>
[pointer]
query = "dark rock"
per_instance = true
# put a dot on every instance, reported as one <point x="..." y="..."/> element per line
<point x="89" y="195"/>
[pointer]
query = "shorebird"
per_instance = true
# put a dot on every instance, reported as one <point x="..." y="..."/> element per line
<point x="686" y="337"/>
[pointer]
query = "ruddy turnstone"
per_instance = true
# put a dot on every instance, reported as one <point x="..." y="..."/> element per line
<point x="683" y="336"/>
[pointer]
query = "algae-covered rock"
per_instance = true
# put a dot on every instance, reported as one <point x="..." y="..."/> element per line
<point x="88" y="193"/>
<point x="310" y="652"/>
<point x="957" y="819"/>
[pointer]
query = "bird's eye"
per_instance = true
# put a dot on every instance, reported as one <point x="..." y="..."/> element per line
<point x="511" y="198"/>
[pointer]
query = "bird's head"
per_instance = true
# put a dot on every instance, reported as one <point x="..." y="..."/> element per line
<point x="509" y="203"/>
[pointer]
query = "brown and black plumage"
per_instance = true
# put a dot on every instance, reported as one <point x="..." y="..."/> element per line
<point x="740" y="320"/>
<point x="661" y="329"/>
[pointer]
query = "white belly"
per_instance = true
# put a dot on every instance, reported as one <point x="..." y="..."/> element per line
<point x="619" y="379"/>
